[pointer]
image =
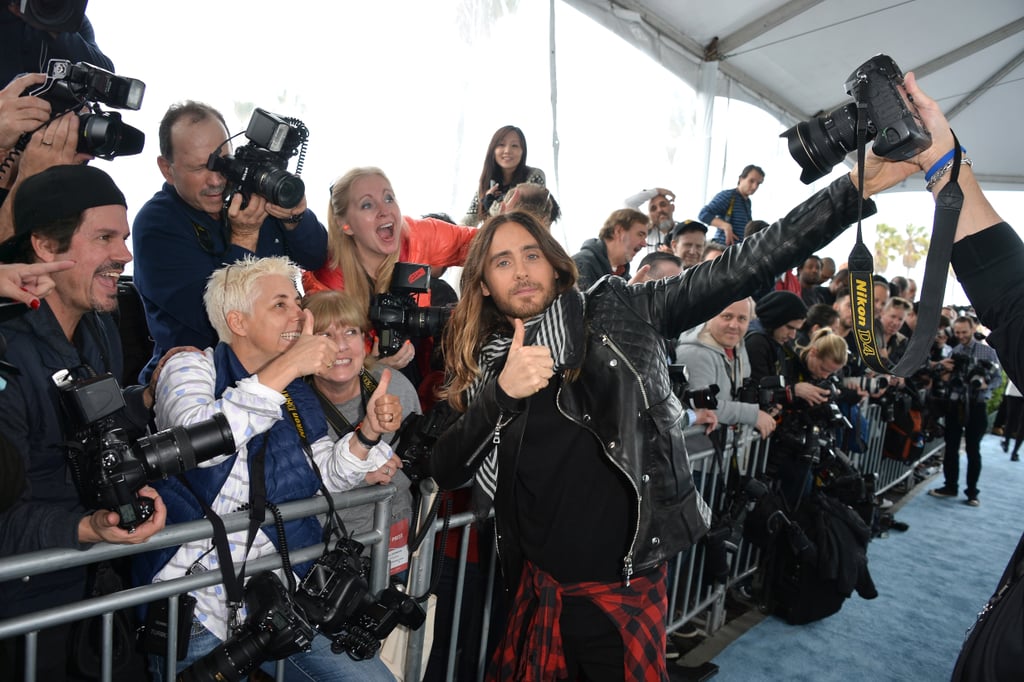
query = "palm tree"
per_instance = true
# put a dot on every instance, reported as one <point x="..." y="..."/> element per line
<point x="915" y="245"/>
<point x="910" y="245"/>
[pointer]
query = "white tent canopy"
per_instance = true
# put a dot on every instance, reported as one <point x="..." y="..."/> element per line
<point x="792" y="57"/>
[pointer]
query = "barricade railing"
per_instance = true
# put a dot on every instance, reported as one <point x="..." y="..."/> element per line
<point x="889" y="472"/>
<point x="28" y="565"/>
<point x="693" y="596"/>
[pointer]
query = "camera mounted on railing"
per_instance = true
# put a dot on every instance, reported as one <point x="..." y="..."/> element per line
<point x="109" y="465"/>
<point x="261" y="166"/>
<point x="892" y="122"/>
<point x="82" y="87"/>
<point x="332" y="599"/>
<point x="397" y="316"/>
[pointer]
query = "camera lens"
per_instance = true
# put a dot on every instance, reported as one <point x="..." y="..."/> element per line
<point x="106" y="136"/>
<point x="181" y="448"/>
<point x="280" y="187"/>
<point x="231" y="661"/>
<point x="819" y="144"/>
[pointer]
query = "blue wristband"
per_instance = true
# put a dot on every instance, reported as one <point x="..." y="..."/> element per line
<point x="940" y="163"/>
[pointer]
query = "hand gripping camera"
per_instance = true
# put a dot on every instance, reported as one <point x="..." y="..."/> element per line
<point x="333" y="599"/>
<point x="395" y="314"/>
<point x="109" y="466"/>
<point x="260" y="167"/>
<point x="892" y="122"/>
<point x="82" y="87"/>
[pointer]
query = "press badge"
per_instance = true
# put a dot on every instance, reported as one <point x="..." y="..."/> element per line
<point x="398" y="547"/>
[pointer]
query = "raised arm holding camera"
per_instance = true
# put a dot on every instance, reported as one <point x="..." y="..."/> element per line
<point x="34" y="31"/>
<point x="185" y="231"/>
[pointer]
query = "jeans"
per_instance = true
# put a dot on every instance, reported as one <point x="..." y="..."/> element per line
<point x="317" y="665"/>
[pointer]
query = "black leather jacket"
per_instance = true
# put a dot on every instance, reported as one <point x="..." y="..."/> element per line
<point x="623" y="394"/>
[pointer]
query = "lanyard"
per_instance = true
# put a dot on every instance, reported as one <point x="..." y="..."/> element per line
<point x="862" y="293"/>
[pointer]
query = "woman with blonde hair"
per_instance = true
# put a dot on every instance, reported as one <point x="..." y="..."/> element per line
<point x="367" y="235"/>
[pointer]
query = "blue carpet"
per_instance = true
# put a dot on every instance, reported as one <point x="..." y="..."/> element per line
<point x="932" y="581"/>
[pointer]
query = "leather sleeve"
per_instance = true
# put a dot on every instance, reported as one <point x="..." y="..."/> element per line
<point x="699" y="293"/>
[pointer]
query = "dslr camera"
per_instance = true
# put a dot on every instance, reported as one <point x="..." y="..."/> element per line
<point x="395" y="314"/>
<point x="700" y="398"/>
<point x="83" y="87"/>
<point x="416" y="437"/>
<point x="260" y="167"/>
<point x="332" y="599"/>
<point x="109" y="466"/>
<point x="767" y="393"/>
<point x="808" y="432"/>
<point x="892" y="122"/>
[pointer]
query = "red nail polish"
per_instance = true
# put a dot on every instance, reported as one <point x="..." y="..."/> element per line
<point x="34" y="304"/>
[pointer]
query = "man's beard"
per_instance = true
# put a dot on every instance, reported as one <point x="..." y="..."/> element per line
<point x="524" y="310"/>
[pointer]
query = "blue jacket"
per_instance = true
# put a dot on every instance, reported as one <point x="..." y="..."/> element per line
<point x="48" y="512"/>
<point x="177" y="248"/>
<point x="24" y="49"/>
<point x="287" y="473"/>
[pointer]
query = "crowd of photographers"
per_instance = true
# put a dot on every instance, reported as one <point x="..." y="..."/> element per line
<point x="262" y="404"/>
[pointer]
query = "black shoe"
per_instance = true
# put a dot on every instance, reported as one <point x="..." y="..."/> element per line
<point x="973" y="502"/>
<point x="1015" y="457"/>
<point x="1005" y="445"/>
<point x="942" y="492"/>
<point x="671" y="652"/>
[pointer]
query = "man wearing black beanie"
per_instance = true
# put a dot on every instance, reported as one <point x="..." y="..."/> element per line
<point x="72" y="213"/>
<point x="778" y="317"/>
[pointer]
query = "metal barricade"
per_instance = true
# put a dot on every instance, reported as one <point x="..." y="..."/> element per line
<point x="24" y="566"/>
<point x="889" y="472"/>
<point x="693" y="596"/>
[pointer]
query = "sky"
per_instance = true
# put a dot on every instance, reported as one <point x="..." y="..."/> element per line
<point x="417" y="89"/>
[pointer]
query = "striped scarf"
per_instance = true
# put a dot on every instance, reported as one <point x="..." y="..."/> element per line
<point x="560" y="328"/>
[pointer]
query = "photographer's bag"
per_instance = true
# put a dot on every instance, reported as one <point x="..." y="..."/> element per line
<point x="994" y="648"/>
<point x="904" y="436"/>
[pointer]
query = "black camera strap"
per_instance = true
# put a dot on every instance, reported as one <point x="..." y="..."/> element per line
<point x="337" y="420"/>
<point x="862" y="293"/>
<point x="233" y="583"/>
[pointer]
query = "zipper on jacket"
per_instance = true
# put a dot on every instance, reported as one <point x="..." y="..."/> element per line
<point x="496" y="439"/>
<point x="627" y="561"/>
<point x="622" y="356"/>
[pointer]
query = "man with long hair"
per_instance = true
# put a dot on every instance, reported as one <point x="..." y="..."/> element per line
<point x="569" y="425"/>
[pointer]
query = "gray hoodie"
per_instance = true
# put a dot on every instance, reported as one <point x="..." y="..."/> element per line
<point x="707" y="363"/>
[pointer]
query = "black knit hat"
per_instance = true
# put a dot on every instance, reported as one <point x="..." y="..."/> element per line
<point x="778" y="308"/>
<point x="57" y="193"/>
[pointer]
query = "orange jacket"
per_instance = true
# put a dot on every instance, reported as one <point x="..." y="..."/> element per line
<point x="428" y="241"/>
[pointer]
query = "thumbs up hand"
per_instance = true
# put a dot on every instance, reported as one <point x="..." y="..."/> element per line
<point x="528" y="369"/>
<point x="383" y="410"/>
